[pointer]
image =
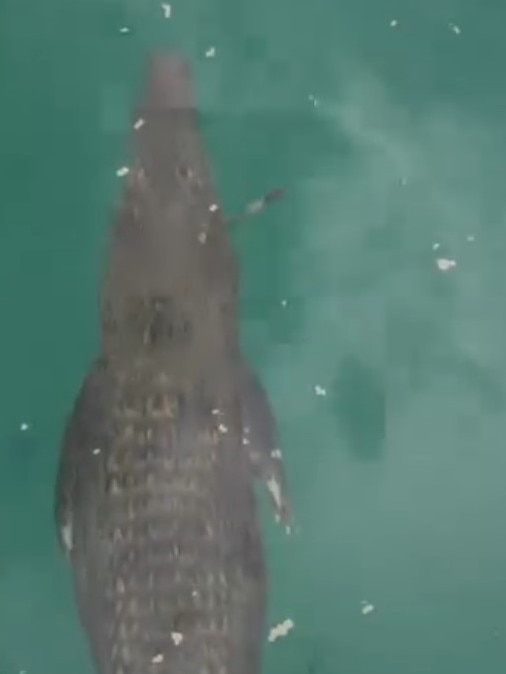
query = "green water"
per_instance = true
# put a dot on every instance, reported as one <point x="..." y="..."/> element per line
<point x="389" y="140"/>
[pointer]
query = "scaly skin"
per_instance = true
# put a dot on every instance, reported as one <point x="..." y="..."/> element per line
<point x="154" y="497"/>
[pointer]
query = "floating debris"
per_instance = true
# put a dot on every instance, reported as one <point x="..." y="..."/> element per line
<point x="157" y="659"/>
<point x="96" y="451"/>
<point x="445" y="264"/>
<point x="222" y="428"/>
<point x="367" y="608"/>
<point x="24" y="426"/>
<point x="456" y="29"/>
<point x="319" y="390"/>
<point x="281" y="630"/>
<point x="123" y="171"/>
<point x="177" y="637"/>
<point x="211" y="53"/>
<point x="139" y="124"/>
<point x="276" y="454"/>
<point x="245" y="441"/>
<point x="167" y="10"/>
<point x="436" y="245"/>
<point x="215" y="411"/>
<point x="124" y="29"/>
<point x="394" y="23"/>
<point x="202" y="237"/>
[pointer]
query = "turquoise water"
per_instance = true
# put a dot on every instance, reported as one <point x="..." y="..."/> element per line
<point x="390" y="141"/>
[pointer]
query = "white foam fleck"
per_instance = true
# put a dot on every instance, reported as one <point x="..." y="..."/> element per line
<point x="281" y="629"/>
<point x="394" y="23"/>
<point x="319" y="390"/>
<point x="157" y="659"/>
<point x="123" y="171"/>
<point x="139" y="123"/>
<point x="367" y="608"/>
<point x="275" y="490"/>
<point x="222" y="428"/>
<point x="24" y="426"/>
<point x="445" y="264"/>
<point x="177" y="637"/>
<point x="211" y="52"/>
<point x="167" y="10"/>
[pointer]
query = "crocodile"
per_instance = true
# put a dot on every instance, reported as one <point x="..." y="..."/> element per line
<point x="155" y="503"/>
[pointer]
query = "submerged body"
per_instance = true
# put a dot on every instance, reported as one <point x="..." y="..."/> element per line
<point x="154" y="498"/>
